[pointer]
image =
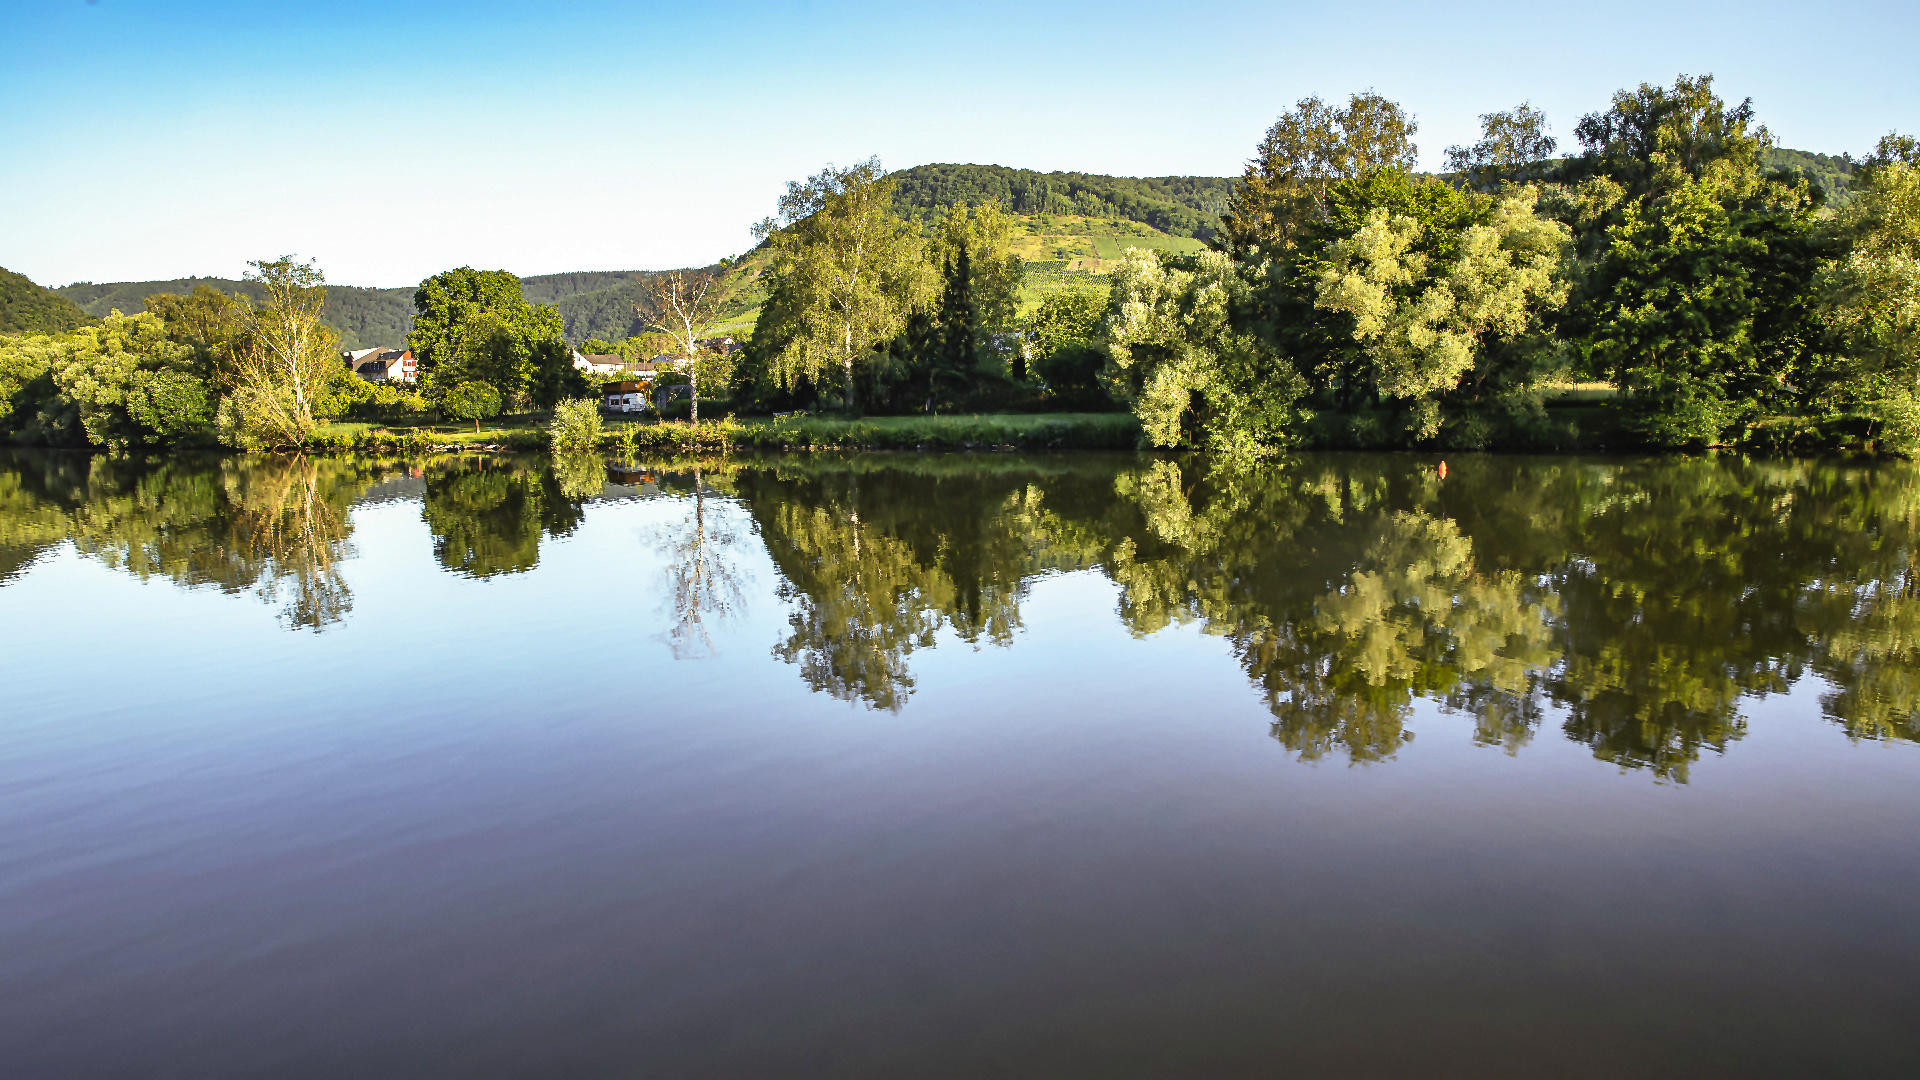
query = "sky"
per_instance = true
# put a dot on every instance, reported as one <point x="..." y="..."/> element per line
<point x="154" y="139"/>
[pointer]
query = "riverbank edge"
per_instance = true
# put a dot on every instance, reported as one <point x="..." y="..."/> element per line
<point x="1581" y="429"/>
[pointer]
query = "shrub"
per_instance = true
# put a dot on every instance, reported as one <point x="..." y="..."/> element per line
<point x="576" y="425"/>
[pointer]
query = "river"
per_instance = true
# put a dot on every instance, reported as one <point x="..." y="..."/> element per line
<point x="958" y="765"/>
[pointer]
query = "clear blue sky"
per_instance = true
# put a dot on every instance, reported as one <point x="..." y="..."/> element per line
<point x="159" y="138"/>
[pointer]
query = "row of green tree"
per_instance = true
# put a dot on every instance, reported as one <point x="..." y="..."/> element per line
<point x="1179" y="205"/>
<point x="1351" y="302"/>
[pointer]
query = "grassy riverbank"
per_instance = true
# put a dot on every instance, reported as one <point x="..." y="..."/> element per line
<point x="1036" y="431"/>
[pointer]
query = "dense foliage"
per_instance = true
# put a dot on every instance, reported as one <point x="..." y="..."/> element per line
<point x="1354" y="303"/>
<point x="477" y="326"/>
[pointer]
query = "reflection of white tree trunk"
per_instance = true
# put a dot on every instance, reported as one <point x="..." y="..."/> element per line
<point x="286" y="523"/>
<point x="705" y="578"/>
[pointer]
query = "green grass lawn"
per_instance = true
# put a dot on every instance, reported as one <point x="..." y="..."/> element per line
<point x="1115" y="431"/>
<point x="1578" y="393"/>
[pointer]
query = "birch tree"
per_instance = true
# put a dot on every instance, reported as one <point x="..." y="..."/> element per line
<point x="685" y="306"/>
<point x="292" y="353"/>
<point x="1509" y="142"/>
<point x="846" y="272"/>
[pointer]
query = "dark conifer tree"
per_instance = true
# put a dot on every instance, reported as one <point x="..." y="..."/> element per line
<point x="959" y="339"/>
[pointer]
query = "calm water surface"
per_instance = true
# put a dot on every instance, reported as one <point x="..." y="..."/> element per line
<point x="905" y="765"/>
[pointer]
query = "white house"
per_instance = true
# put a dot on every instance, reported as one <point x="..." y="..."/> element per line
<point x="382" y="365"/>
<point x="597" y="363"/>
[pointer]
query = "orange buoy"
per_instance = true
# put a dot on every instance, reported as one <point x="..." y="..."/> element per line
<point x="1442" y="470"/>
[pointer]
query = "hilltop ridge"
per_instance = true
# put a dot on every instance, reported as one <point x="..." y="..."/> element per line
<point x="25" y="305"/>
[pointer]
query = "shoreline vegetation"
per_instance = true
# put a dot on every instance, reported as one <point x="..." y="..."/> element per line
<point x="1043" y="431"/>
<point x="1677" y="283"/>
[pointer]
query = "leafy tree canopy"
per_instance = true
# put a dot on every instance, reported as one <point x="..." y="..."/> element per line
<point x="476" y="325"/>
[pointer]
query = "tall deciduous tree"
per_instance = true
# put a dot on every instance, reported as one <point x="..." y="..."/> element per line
<point x="1871" y="297"/>
<point x="476" y="325"/>
<point x="1424" y="331"/>
<point x="210" y="321"/>
<point x="1191" y="375"/>
<point x="1653" y="139"/>
<point x="1509" y="142"/>
<point x="1310" y="148"/>
<point x="292" y="353"/>
<point x="846" y="273"/>
<point x="685" y="306"/>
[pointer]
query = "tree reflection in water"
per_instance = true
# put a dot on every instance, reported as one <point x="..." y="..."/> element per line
<point x="705" y="583"/>
<point x="1636" y="604"/>
<point x="488" y="514"/>
<point x="274" y="525"/>
<point x="290" y="518"/>
<point x="877" y="561"/>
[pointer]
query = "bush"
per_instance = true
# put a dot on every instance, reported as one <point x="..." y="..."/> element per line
<point x="576" y="425"/>
<point x="1899" y="416"/>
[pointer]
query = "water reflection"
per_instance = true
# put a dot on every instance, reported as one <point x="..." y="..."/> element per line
<point x="1635" y="605"/>
<point x="705" y="581"/>
<point x="275" y="526"/>
<point x="488" y="514"/>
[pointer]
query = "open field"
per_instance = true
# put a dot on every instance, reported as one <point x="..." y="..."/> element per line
<point x="1111" y="247"/>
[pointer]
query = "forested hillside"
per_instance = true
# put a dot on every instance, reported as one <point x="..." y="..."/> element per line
<point x="1832" y="173"/>
<point x="26" y="306"/>
<point x="594" y="304"/>
<point x="1176" y="205"/>
<point x="363" y="318"/>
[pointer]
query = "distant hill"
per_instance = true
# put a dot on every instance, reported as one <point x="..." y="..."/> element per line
<point x="26" y="306"/>
<point x="1187" y="206"/>
<point x="362" y="317"/>
<point x="1068" y="227"/>
<point x="594" y="304"/>
<point x="597" y="304"/>
<point x="1835" y="174"/>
